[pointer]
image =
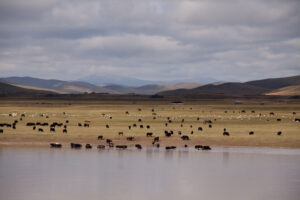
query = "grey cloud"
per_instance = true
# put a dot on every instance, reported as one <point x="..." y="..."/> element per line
<point x="170" y="40"/>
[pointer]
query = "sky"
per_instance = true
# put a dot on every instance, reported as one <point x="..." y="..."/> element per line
<point x="228" y="40"/>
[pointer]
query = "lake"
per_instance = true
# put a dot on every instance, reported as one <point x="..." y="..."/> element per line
<point x="222" y="173"/>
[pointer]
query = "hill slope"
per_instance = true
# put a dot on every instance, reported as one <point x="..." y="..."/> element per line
<point x="276" y="83"/>
<point x="229" y="89"/>
<point x="7" y="89"/>
<point x="57" y="85"/>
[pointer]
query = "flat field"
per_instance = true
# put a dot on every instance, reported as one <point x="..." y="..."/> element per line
<point x="238" y="120"/>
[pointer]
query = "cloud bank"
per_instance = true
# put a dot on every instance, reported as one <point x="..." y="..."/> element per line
<point x="153" y="40"/>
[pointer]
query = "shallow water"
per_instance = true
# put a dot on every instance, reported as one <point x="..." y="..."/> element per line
<point x="223" y="173"/>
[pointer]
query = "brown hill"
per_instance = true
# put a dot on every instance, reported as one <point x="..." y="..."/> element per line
<point x="286" y="91"/>
<point x="227" y="89"/>
<point x="7" y="89"/>
<point x="276" y="83"/>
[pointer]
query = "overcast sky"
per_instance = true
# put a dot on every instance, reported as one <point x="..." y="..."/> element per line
<point x="150" y="39"/>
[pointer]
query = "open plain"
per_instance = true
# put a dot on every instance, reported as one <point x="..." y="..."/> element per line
<point x="115" y="120"/>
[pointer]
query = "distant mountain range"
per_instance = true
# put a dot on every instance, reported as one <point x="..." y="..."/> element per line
<point x="275" y="86"/>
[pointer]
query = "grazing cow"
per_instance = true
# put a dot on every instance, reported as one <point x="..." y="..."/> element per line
<point x="130" y="138"/>
<point x="209" y="126"/>
<point x="52" y="129"/>
<point x="157" y="145"/>
<point x="294" y="113"/>
<point x="170" y="147"/>
<point x="166" y="124"/>
<point x="140" y="120"/>
<point x="14" y="126"/>
<point x="192" y="132"/>
<point x="129" y="127"/>
<point x="75" y="146"/>
<point x="23" y="115"/>
<point x="134" y="125"/>
<point x="198" y="146"/>
<point x="65" y="126"/>
<point x="206" y="148"/>
<point x="67" y="121"/>
<point x="41" y="130"/>
<point x="243" y="111"/>
<point x="182" y="120"/>
<point x="156" y="139"/>
<point x="88" y="146"/>
<point x="121" y="146"/>
<point x="127" y="113"/>
<point x="101" y="146"/>
<point x="191" y="126"/>
<point x="225" y="133"/>
<point x="198" y="118"/>
<point x="179" y="132"/>
<point x="181" y="125"/>
<point x="120" y="133"/>
<point x="185" y="137"/>
<point x="272" y="113"/>
<point x="55" y="145"/>
<point x="79" y="124"/>
<point x="200" y="129"/>
<point x="138" y="146"/>
<point x="141" y="126"/>
<point x="253" y="111"/>
<point x="148" y="126"/>
<point x="170" y="121"/>
<point x="251" y="133"/>
<point x="108" y="141"/>
<point x="185" y="146"/>
<point x="149" y="134"/>
<point x="207" y="122"/>
<point x="86" y="125"/>
<point x="34" y="128"/>
<point x="107" y="126"/>
<point x="100" y="137"/>
<point x="65" y="131"/>
<point x="139" y="109"/>
<point x="154" y="117"/>
<point x="168" y="134"/>
<point x="1" y="131"/>
<point x="30" y="124"/>
<point x="279" y="133"/>
<point x="297" y="120"/>
<point x="278" y="119"/>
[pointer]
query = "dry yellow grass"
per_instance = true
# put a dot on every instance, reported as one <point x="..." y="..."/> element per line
<point x="237" y="123"/>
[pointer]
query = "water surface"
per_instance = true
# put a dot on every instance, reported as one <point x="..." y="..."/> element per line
<point x="223" y="173"/>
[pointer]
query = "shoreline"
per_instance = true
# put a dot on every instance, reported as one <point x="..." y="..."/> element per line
<point x="66" y="145"/>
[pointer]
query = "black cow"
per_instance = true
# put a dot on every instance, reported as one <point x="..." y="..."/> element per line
<point x="1" y="131"/>
<point x="65" y="131"/>
<point x="88" y="146"/>
<point x="170" y="147"/>
<point x="198" y="146"/>
<point x="200" y="129"/>
<point x="156" y="139"/>
<point x="79" y="124"/>
<point x="297" y="120"/>
<point x="41" y="130"/>
<point x="121" y="146"/>
<point x="141" y="126"/>
<point x="251" y="133"/>
<point x="148" y="126"/>
<point x="100" y="137"/>
<point x="185" y="137"/>
<point x="107" y="126"/>
<point x="55" y="145"/>
<point x="134" y="125"/>
<point x="279" y="133"/>
<point x="121" y="133"/>
<point x="108" y="141"/>
<point x="206" y="148"/>
<point x="138" y="146"/>
<point x="86" y="125"/>
<point x="130" y="138"/>
<point x="75" y="146"/>
<point x="278" y="119"/>
<point x="149" y="134"/>
<point x="225" y="133"/>
<point x="129" y="127"/>
<point x="139" y="120"/>
<point x="52" y="129"/>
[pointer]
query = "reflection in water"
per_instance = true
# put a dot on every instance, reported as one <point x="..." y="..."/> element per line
<point x="149" y="174"/>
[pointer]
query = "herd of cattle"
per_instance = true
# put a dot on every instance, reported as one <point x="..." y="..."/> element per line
<point x="40" y="126"/>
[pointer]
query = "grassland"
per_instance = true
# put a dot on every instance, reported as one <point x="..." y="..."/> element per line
<point x="237" y="123"/>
